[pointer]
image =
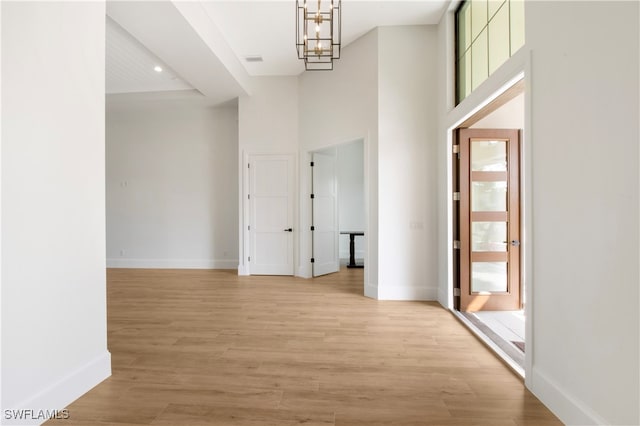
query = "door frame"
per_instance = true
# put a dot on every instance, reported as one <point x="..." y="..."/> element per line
<point x="369" y="170"/>
<point x="515" y="70"/>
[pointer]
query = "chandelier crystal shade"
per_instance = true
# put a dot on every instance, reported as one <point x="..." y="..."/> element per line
<point x="318" y="33"/>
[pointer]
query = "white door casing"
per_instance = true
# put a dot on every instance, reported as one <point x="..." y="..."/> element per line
<point x="325" y="214"/>
<point x="271" y="217"/>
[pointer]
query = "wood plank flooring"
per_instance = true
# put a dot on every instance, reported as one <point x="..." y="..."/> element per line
<point x="202" y="347"/>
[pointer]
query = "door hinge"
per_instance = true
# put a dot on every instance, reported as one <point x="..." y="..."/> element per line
<point x="456" y="196"/>
<point x="249" y="259"/>
<point x="312" y="164"/>
<point x="313" y="260"/>
<point x="248" y="165"/>
<point x="313" y="228"/>
<point x="249" y="228"/>
<point x="248" y="197"/>
<point x="312" y="196"/>
<point x="456" y="244"/>
<point x="456" y="292"/>
<point x="456" y="150"/>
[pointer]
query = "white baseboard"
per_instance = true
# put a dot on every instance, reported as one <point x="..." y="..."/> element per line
<point x="443" y="298"/>
<point x="304" y="271"/>
<point x="359" y="254"/>
<point x="242" y="271"/>
<point x="371" y="291"/>
<point x="570" y="410"/>
<point x="59" y="395"/>
<point x="407" y="292"/>
<point x="172" y="263"/>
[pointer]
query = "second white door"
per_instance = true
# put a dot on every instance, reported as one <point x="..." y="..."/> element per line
<point x="271" y="196"/>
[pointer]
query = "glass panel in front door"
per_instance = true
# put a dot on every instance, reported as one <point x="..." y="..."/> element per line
<point x="488" y="277"/>
<point x="489" y="236"/>
<point x="489" y="156"/>
<point x="489" y="212"/>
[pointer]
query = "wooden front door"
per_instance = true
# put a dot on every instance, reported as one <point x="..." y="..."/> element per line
<point x="489" y="219"/>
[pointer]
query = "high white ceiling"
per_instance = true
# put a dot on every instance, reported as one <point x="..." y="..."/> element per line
<point x="202" y="45"/>
<point x="268" y="28"/>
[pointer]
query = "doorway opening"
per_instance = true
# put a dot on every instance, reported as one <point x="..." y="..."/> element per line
<point x="488" y="288"/>
<point x="338" y="220"/>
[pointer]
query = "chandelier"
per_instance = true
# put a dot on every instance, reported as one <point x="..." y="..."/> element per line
<point x="318" y="33"/>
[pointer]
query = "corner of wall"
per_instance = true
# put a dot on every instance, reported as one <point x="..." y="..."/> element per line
<point x="371" y="291"/>
<point x="242" y="271"/>
<point x="0" y="196"/>
<point x="51" y="400"/>
<point x="304" y="271"/>
<point x="569" y="409"/>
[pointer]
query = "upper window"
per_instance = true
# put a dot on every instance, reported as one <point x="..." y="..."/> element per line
<point x="488" y="32"/>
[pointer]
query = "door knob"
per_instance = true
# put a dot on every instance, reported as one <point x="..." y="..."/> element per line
<point x="515" y="243"/>
<point x="288" y="230"/>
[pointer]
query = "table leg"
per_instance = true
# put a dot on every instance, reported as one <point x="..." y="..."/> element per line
<point x="352" y="251"/>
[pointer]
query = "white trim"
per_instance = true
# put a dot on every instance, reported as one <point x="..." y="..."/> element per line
<point x="444" y="296"/>
<point x="60" y="394"/>
<point x="173" y="263"/>
<point x="346" y="254"/>
<point x="570" y="410"/>
<point x="504" y="77"/>
<point x="1" y="351"/>
<point x="526" y="216"/>
<point x="244" y="250"/>
<point x="304" y="271"/>
<point x="407" y="292"/>
<point x="371" y="291"/>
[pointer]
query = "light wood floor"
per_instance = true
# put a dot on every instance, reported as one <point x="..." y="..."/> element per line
<point x="209" y="347"/>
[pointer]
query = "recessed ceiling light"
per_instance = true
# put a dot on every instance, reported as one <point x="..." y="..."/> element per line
<point x="157" y="68"/>
<point x="253" y="58"/>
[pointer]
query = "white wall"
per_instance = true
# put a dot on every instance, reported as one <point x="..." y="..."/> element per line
<point x="54" y="343"/>
<point x="268" y="124"/>
<point x="581" y="202"/>
<point x="351" y="206"/>
<point x="373" y="94"/>
<point x="584" y="140"/>
<point x="407" y="151"/>
<point x="172" y="178"/>
<point x="345" y="102"/>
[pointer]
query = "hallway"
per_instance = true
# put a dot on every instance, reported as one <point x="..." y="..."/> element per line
<point x="209" y="347"/>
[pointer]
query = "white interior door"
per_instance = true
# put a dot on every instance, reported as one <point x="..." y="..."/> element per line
<point x="325" y="214"/>
<point x="271" y="195"/>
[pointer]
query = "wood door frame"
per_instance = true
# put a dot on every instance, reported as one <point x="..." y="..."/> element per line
<point x="512" y="299"/>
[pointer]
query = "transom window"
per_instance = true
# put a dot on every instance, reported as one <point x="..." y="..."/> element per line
<point x="488" y="32"/>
